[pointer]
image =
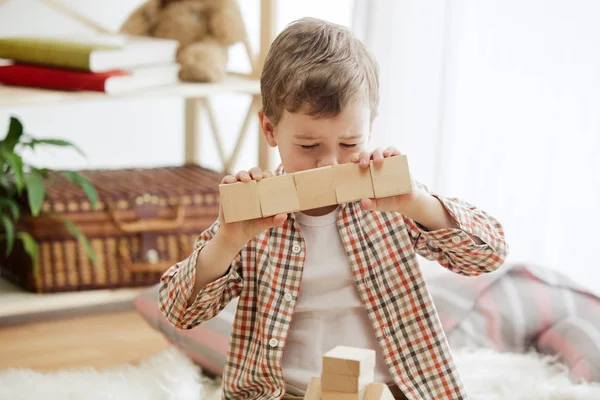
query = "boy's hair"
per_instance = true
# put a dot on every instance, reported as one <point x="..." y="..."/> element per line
<point x="317" y="67"/>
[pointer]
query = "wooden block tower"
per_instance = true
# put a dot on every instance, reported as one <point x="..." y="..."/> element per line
<point x="348" y="374"/>
<point x="314" y="188"/>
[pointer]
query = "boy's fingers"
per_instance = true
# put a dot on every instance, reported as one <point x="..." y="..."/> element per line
<point x="388" y="152"/>
<point x="278" y="219"/>
<point x="271" y="222"/>
<point x="267" y="174"/>
<point x="378" y="156"/>
<point x="365" y="158"/>
<point x="367" y="204"/>
<point x="391" y="151"/>
<point x="256" y="173"/>
<point x="355" y="157"/>
<point x="229" y="179"/>
<point x="243" y="176"/>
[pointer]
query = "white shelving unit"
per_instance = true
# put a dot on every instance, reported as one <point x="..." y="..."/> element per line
<point x="16" y="303"/>
<point x="197" y="95"/>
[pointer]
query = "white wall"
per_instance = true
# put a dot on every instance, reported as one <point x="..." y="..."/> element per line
<point x="407" y="38"/>
<point x="138" y="132"/>
<point x="498" y="102"/>
<point x="523" y="125"/>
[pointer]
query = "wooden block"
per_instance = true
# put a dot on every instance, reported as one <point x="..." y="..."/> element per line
<point x="327" y="395"/>
<point x="313" y="391"/>
<point x="315" y="188"/>
<point x="278" y="195"/>
<point x="352" y="182"/>
<point x="343" y="360"/>
<point x="346" y="383"/>
<point x="378" y="391"/>
<point x="240" y="201"/>
<point x="392" y="178"/>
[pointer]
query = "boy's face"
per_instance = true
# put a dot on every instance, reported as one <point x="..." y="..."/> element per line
<point x="306" y="142"/>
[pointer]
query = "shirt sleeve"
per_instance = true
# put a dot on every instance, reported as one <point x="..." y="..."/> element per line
<point x="454" y="249"/>
<point x="177" y="283"/>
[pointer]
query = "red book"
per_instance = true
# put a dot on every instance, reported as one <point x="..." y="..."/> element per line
<point x="112" y="82"/>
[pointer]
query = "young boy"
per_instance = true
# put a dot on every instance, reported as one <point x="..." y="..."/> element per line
<point x="339" y="275"/>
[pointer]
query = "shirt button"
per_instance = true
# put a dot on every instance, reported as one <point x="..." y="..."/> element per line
<point x="273" y="342"/>
<point x="287" y="297"/>
<point x="215" y="228"/>
<point x="277" y="392"/>
<point x="456" y="239"/>
<point x="296" y="248"/>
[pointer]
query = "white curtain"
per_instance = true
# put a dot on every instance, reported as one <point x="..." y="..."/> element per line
<point x="498" y="102"/>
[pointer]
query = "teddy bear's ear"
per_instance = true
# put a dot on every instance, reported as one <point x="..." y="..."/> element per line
<point x="142" y="20"/>
<point x="227" y="23"/>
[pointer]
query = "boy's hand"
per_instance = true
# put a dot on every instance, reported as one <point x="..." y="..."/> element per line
<point x="239" y="233"/>
<point x="400" y="203"/>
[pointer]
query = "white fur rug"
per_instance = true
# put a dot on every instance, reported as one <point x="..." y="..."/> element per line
<point x="171" y="376"/>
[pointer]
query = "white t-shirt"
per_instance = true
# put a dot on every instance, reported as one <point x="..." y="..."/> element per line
<point x="329" y="311"/>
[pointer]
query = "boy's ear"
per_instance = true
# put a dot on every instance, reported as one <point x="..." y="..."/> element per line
<point x="268" y="129"/>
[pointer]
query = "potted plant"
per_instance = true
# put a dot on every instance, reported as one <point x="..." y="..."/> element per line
<point x="22" y="190"/>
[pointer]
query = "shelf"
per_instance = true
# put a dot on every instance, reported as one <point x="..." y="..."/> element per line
<point x="19" y="304"/>
<point x="24" y="96"/>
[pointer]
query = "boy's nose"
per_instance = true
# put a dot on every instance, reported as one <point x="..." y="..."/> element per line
<point x="327" y="162"/>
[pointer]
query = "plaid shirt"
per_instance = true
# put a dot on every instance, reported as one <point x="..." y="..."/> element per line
<point x="381" y="249"/>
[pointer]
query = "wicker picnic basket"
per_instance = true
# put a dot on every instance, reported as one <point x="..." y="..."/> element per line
<point x="145" y="221"/>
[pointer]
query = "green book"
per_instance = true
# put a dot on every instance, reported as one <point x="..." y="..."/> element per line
<point x="89" y="55"/>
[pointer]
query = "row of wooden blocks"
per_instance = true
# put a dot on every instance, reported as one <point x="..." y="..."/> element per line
<point x="348" y="374"/>
<point x="314" y="188"/>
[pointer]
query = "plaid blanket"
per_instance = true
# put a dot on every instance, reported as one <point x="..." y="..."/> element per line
<point x="522" y="308"/>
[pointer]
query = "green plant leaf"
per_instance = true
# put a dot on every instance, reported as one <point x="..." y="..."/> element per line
<point x="77" y="234"/>
<point x="15" y="131"/>
<point x="16" y="164"/>
<point x="30" y="247"/>
<point x="54" y="142"/>
<point x="85" y="184"/>
<point x="35" y="191"/>
<point x="12" y="205"/>
<point x="5" y="182"/>
<point x="9" y="230"/>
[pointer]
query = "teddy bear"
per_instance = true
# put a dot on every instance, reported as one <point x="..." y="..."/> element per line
<point x="204" y="29"/>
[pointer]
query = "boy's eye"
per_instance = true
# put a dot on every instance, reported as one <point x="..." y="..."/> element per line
<point x="348" y="146"/>
<point x="308" y="147"/>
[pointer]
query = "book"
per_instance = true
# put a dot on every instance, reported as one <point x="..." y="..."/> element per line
<point x="101" y="53"/>
<point x="108" y="39"/>
<point x="110" y="82"/>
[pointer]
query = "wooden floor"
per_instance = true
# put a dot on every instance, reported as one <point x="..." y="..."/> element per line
<point x="99" y="340"/>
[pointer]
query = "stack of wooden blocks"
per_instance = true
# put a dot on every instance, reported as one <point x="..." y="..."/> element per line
<point x="348" y="374"/>
<point x="314" y="188"/>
